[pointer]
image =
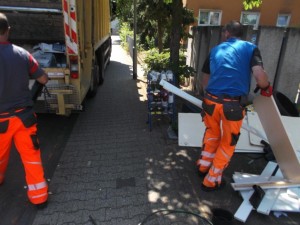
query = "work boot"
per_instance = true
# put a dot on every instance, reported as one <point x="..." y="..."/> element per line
<point x="42" y="205"/>
<point x="216" y="187"/>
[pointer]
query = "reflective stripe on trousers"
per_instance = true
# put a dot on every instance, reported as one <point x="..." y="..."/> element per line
<point x="29" y="154"/>
<point x="217" y="143"/>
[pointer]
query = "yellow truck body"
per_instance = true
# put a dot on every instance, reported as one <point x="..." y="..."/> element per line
<point x="87" y="41"/>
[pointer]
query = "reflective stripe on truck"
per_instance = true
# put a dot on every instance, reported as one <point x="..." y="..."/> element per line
<point x="69" y="9"/>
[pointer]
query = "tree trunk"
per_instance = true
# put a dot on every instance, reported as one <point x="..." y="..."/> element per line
<point x="160" y="35"/>
<point x="175" y="36"/>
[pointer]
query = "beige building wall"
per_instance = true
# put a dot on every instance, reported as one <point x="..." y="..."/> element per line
<point x="231" y="10"/>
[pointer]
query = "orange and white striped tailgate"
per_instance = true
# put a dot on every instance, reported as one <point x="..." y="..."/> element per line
<point x="69" y="10"/>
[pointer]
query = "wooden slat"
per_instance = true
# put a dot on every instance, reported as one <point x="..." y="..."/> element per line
<point x="245" y="208"/>
<point x="270" y="198"/>
<point x="291" y="125"/>
<point x="283" y="150"/>
<point x="288" y="202"/>
<point x="265" y="185"/>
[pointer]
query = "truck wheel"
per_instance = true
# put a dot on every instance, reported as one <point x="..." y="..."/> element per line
<point x="94" y="82"/>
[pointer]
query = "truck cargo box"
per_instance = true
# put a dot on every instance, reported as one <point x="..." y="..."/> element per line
<point x="71" y="41"/>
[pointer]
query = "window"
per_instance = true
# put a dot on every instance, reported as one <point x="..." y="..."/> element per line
<point x="283" y="20"/>
<point x="250" y="18"/>
<point x="209" y="17"/>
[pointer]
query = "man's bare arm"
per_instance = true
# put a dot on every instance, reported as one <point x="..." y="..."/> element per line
<point x="260" y="76"/>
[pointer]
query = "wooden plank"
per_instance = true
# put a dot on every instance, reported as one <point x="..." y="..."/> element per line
<point x="287" y="202"/>
<point x="264" y="185"/>
<point x="283" y="150"/>
<point x="245" y="208"/>
<point x="265" y="175"/>
<point x="291" y="124"/>
<point x="270" y="198"/>
<point x="268" y="201"/>
<point x="258" y="181"/>
<point x="284" y="199"/>
<point x="294" y="192"/>
<point x="254" y="179"/>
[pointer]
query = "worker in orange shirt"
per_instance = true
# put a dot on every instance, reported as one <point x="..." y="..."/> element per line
<point x="18" y="121"/>
<point x="226" y="79"/>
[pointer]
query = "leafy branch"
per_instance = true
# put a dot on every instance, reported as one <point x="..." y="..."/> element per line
<point x="250" y="4"/>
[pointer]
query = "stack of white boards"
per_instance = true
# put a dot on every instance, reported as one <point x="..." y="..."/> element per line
<point x="282" y="191"/>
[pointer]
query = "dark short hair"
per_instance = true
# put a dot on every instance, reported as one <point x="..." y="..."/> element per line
<point x="3" y="24"/>
<point x="234" y="28"/>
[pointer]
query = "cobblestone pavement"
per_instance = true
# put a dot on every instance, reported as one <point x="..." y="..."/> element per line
<point x="114" y="171"/>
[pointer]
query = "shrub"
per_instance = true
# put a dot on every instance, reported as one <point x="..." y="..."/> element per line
<point x="161" y="61"/>
<point x="125" y="31"/>
<point x="157" y="61"/>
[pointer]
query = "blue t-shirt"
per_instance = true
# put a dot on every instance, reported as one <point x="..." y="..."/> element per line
<point x="17" y="66"/>
<point x="230" y="67"/>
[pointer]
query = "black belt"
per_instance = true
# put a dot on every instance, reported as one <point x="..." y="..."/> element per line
<point x="15" y="112"/>
<point x="221" y="98"/>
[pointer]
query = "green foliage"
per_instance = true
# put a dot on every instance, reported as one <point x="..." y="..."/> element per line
<point x="153" y="23"/>
<point x="161" y="61"/>
<point x="124" y="10"/>
<point x="186" y="71"/>
<point x="149" y="42"/>
<point x="157" y="61"/>
<point x="188" y="16"/>
<point x="125" y="31"/>
<point x="250" y="4"/>
<point x="187" y="19"/>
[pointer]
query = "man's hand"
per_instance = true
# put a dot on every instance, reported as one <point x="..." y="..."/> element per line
<point x="267" y="91"/>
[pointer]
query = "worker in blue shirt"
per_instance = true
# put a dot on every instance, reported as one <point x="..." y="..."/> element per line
<point x="226" y="79"/>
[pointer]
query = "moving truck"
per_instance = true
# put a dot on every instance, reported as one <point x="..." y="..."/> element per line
<point x="71" y="40"/>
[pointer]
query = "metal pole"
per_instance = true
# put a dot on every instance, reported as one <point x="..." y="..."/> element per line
<point x="134" y="51"/>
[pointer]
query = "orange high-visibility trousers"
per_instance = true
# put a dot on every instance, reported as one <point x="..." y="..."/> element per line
<point x="223" y="122"/>
<point x="26" y="142"/>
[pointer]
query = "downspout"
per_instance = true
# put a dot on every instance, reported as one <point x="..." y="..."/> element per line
<point x="280" y="58"/>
